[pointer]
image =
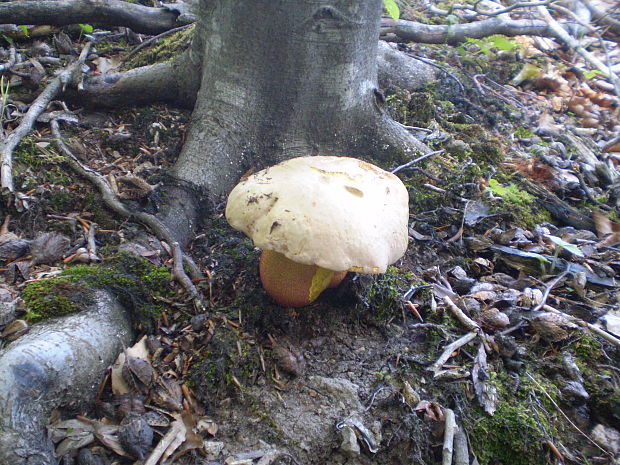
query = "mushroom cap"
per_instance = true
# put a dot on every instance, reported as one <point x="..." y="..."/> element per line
<point x="338" y="213"/>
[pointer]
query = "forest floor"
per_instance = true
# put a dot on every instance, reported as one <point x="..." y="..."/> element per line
<point x="513" y="254"/>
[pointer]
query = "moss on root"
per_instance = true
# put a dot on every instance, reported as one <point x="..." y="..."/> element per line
<point x="166" y="49"/>
<point x="132" y="279"/>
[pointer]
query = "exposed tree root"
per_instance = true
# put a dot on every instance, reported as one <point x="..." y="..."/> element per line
<point x="109" y="13"/>
<point x="175" y="82"/>
<point x="158" y="227"/>
<point x="55" y="366"/>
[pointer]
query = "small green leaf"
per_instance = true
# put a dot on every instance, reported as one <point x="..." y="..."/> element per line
<point x="8" y="39"/>
<point x="572" y="248"/>
<point x="24" y="30"/>
<point x="87" y="28"/>
<point x="502" y="43"/>
<point x="592" y="73"/>
<point x="392" y="9"/>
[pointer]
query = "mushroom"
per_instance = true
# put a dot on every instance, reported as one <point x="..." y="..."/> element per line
<point x="318" y="217"/>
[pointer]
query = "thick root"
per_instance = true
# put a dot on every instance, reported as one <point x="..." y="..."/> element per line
<point x="56" y="365"/>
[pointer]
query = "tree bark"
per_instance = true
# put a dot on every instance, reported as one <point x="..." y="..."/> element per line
<point x="282" y="79"/>
<point x="57" y="364"/>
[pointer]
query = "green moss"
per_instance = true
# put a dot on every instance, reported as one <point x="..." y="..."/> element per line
<point x="523" y="133"/>
<point x="34" y="164"/>
<point x="166" y="49"/>
<point x="53" y="297"/>
<point x="134" y="280"/>
<point x="526" y="209"/>
<point x="487" y="152"/>
<point x="386" y="291"/>
<point x="512" y="436"/>
<point x="587" y="349"/>
<point x="413" y="109"/>
<point x="516" y="433"/>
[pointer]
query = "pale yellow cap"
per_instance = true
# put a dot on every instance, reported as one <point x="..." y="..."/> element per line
<point x="338" y="213"/>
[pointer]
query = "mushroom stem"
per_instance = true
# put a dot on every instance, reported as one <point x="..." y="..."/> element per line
<point x="293" y="284"/>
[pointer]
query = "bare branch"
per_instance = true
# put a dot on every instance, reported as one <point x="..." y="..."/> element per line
<point x="110" y="13"/>
<point x="457" y="33"/>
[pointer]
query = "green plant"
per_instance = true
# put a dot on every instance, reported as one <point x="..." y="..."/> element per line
<point x="392" y="9"/>
<point x="86" y="28"/>
<point x="486" y="45"/>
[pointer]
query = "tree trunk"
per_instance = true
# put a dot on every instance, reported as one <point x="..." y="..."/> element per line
<point x="282" y="79"/>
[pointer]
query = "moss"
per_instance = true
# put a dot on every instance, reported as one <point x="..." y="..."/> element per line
<point x="227" y="363"/>
<point x="134" y="280"/>
<point x="414" y="109"/>
<point x="487" y="152"/>
<point x="512" y="436"/>
<point x="34" y="164"/>
<point x="523" y="133"/>
<point x="166" y="49"/>
<point x="516" y="433"/>
<point x="53" y="297"/>
<point x="385" y="293"/>
<point x="524" y="206"/>
<point x="587" y="349"/>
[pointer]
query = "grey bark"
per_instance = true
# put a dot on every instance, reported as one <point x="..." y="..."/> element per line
<point x="284" y="79"/>
<point x="109" y="13"/>
<point x="455" y="34"/>
<point x="175" y="82"/>
<point x="58" y="364"/>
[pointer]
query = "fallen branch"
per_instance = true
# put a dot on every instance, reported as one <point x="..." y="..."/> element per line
<point x="36" y="108"/>
<point x="461" y="450"/>
<point x="137" y="17"/>
<point x="603" y="17"/>
<point x="111" y="200"/>
<point x="454" y="34"/>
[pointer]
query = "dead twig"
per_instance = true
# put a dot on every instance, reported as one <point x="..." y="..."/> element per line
<point x="461" y="450"/>
<point x="69" y="74"/>
<point x="460" y="315"/>
<point x="12" y="58"/>
<point x="152" y="40"/>
<point x="91" y="246"/>
<point x="448" y="436"/>
<point x="450" y="348"/>
<point x="417" y="160"/>
<point x="548" y="288"/>
<point x="564" y="415"/>
<point x="565" y="37"/>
